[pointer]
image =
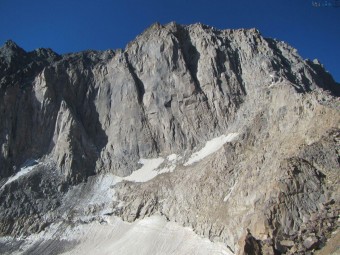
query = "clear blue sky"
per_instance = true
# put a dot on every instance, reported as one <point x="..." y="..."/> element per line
<point x="75" y="25"/>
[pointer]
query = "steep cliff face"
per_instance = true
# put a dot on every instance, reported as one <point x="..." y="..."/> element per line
<point x="78" y="123"/>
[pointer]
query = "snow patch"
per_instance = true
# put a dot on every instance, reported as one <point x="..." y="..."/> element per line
<point x="230" y="192"/>
<point x="147" y="171"/>
<point x="150" y="168"/>
<point x="173" y="158"/>
<point x="29" y="166"/>
<point x="211" y="147"/>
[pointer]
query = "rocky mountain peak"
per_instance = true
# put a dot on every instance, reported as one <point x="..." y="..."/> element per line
<point x="225" y="131"/>
<point x="11" y="52"/>
<point x="11" y="45"/>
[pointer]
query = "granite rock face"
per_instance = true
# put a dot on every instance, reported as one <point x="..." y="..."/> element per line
<point x="86" y="115"/>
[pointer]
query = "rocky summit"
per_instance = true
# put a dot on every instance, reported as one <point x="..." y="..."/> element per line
<point x="191" y="140"/>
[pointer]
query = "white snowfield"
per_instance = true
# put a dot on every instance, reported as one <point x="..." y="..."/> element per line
<point x="23" y="171"/>
<point x="147" y="171"/>
<point x="150" y="168"/>
<point x="230" y="192"/>
<point x="173" y="158"/>
<point x="211" y="147"/>
<point x="150" y="236"/>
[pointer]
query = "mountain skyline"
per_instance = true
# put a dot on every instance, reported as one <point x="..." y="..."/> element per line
<point x="80" y="25"/>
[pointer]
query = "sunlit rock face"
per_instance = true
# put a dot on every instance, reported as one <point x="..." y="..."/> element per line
<point x="224" y="131"/>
